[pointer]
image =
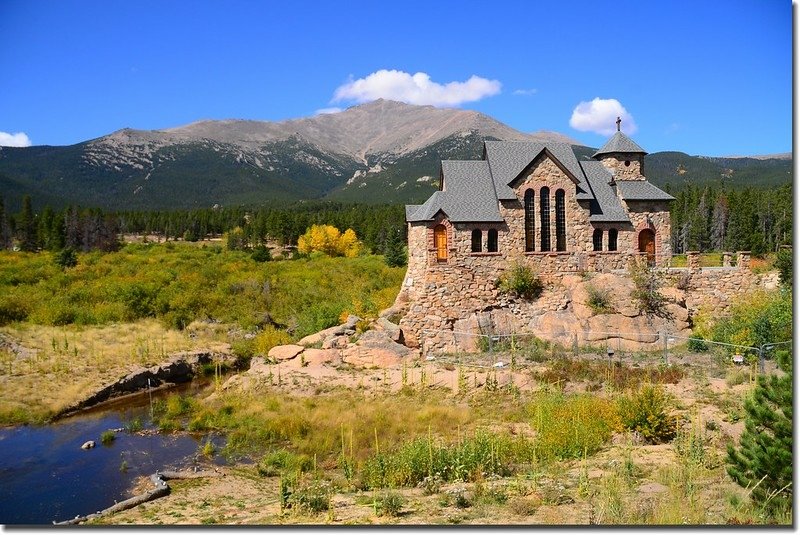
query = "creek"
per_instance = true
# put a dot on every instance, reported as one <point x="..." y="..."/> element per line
<point x="45" y="476"/>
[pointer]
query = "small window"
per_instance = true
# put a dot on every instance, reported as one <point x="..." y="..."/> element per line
<point x="492" y="241"/>
<point x="627" y="163"/>
<point x="597" y="240"/>
<point x="612" y="239"/>
<point x="477" y="241"/>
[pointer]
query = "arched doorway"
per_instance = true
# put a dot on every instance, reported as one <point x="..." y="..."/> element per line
<point x="647" y="245"/>
<point x="440" y="242"/>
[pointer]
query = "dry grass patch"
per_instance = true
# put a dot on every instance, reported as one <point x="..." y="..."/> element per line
<point x="64" y="364"/>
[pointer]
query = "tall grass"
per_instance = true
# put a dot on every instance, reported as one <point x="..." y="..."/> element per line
<point x="182" y="283"/>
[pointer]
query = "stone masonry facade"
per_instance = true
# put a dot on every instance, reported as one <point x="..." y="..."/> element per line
<point x="449" y="284"/>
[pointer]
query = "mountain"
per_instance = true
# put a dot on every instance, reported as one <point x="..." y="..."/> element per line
<point x="383" y="151"/>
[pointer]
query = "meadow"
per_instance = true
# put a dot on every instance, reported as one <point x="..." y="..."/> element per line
<point x="91" y="323"/>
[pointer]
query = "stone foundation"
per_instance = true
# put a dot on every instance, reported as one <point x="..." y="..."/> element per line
<point x="451" y="304"/>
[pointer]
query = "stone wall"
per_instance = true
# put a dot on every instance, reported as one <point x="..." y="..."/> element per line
<point x="615" y="163"/>
<point x="457" y="300"/>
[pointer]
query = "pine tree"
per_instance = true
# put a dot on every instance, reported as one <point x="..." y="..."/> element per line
<point x="394" y="255"/>
<point x="5" y="231"/>
<point x="763" y="461"/>
<point x="27" y="226"/>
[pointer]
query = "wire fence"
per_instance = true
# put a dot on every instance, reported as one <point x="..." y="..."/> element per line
<point x="492" y="350"/>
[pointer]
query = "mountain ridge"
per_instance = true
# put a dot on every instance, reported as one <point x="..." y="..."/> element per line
<point x="381" y="151"/>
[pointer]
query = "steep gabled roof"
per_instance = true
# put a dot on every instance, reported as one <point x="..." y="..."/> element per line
<point x="467" y="196"/>
<point x="410" y="210"/>
<point x="507" y="159"/>
<point x="619" y="142"/>
<point x="605" y="207"/>
<point x="642" y="190"/>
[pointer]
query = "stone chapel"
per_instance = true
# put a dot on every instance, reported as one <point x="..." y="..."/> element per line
<point x="533" y="203"/>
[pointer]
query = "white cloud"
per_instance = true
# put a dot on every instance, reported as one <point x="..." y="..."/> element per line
<point x="600" y="116"/>
<point x="415" y="89"/>
<point x="325" y="111"/>
<point x="20" y="139"/>
<point x="525" y="92"/>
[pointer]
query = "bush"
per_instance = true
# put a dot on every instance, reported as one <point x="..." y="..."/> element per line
<point x="647" y="413"/>
<point x="261" y="254"/>
<point x="520" y="281"/>
<point x="389" y="504"/>
<point x="697" y="345"/>
<point x="66" y="258"/>
<point x="783" y="262"/>
<point x="599" y="300"/>
<point x="107" y="437"/>
<point x="647" y="282"/>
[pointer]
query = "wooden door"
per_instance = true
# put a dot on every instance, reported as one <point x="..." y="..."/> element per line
<point x="440" y="242"/>
<point x="647" y="245"/>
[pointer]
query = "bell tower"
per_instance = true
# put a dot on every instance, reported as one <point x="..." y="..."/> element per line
<point x="622" y="156"/>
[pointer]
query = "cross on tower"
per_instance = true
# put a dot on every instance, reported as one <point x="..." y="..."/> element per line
<point x="619" y="121"/>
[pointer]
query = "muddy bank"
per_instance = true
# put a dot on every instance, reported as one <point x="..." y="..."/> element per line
<point x="179" y="368"/>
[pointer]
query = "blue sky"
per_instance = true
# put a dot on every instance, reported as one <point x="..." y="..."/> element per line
<point x="702" y="77"/>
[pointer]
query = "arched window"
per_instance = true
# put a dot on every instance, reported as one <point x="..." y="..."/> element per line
<point x="597" y="240"/>
<point x="612" y="239"/>
<point x="477" y="241"/>
<point x="561" y="222"/>
<point x="491" y="244"/>
<point x="544" y="209"/>
<point x="440" y="242"/>
<point x="530" y="221"/>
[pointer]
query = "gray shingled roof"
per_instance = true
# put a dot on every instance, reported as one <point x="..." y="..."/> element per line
<point x="410" y="209"/>
<point x="507" y="159"/>
<point x="468" y="195"/>
<point x="619" y="142"/>
<point x="606" y="206"/>
<point x="642" y="190"/>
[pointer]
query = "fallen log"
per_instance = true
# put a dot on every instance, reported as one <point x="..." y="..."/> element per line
<point x="159" y="480"/>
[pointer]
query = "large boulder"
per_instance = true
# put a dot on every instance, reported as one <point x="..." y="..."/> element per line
<point x="346" y="328"/>
<point x="286" y="352"/>
<point x="318" y="357"/>
<point x="392" y="330"/>
<point x="370" y="357"/>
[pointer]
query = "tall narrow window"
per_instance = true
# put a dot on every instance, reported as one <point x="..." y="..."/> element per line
<point x="561" y="222"/>
<point x="477" y="241"/>
<point x="544" y="208"/>
<point x="491" y="243"/>
<point x="612" y="239"/>
<point x="597" y="240"/>
<point x="440" y="242"/>
<point x="530" y="221"/>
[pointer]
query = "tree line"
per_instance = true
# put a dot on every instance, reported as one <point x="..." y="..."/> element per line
<point x="717" y="217"/>
<point x="713" y="217"/>
<point x="378" y="227"/>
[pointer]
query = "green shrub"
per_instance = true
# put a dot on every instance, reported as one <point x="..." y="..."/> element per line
<point x="647" y="413"/>
<point x="389" y="504"/>
<point x="66" y="258"/>
<point x="784" y="264"/>
<point x="697" y="345"/>
<point x="520" y="281"/>
<point x="261" y="254"/>
<point x="13" y="308"/>
<point x="313" y="497"/>
<point x="647" y="282"/>
<point x="599" y="300"/>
